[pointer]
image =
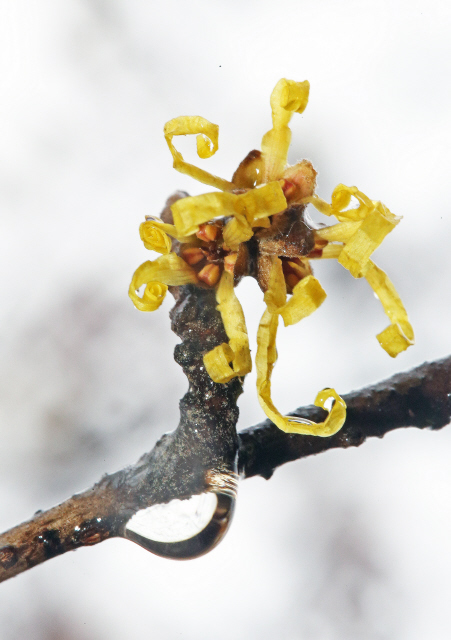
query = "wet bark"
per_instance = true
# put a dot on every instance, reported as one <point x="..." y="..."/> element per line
<point x="420" y="398"/>
<point x="177" y="467"/>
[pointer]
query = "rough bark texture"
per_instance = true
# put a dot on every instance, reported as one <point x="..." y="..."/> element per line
<point x="177" y="467"/>
<point x="419" y="398"/>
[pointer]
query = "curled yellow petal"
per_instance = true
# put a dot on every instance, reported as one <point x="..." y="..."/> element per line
<point x="261" y="202"/>
<point x="234" y="323"/>
<point x="337" y="414"/>
<point x="393" y="340"/>
<point x="217" y="361"/>
<point x="168" y="269"/>
<point x="237" y="351"/>
<point x="264" y="361"/>
<point x="358" y="249"/>
<point x="321" y="205"/>
<point x="333" y="423"/>
<point x="189" y="213"/>
<point x="276" y="293"/>
<point x="252" y="209"/>
<point x="236" y="231"/>
<point x="287" y="97"/>
<point x="154" y="238"/>
<point x="152" y="298"/>
<point x="341" y="198"/>
<point x="170" y="229"/>
<point x="328" y="252"/>
<point x="207" y="145"/>
<point x="306" y="299"/>
<point x="399" y="335"/>
<point x="307" y="296"/>
<point x="340" y="232"/>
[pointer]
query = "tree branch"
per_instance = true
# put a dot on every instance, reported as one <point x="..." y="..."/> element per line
<point x="420" y="398"/>
<point x="180" y="465"/>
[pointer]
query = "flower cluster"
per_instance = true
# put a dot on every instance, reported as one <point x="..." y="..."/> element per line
<point x="255" y="225"/>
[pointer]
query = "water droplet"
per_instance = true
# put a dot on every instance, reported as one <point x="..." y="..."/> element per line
<point x="300" y="420"/>
<point x="186" y="529"/>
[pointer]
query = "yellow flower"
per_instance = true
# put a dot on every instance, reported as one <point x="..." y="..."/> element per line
<point x="254" y="225"/>
<point x="166" y="270"/>
<point x="154" y="238"/>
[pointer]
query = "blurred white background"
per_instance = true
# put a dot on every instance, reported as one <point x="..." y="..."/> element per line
<point x="348" y="545"/>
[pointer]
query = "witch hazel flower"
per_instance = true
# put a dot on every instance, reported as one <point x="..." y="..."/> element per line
<point x="255" y="226"/>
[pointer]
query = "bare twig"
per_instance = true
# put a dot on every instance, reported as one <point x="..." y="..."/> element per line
<point x="177" y="467"/>
<point x="419" y="398"/>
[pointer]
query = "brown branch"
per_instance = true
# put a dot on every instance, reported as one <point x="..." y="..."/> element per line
<point x="419" y="398"/>
<point x="178" y="466"/>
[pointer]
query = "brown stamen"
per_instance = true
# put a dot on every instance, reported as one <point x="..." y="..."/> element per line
<point x="209" y="274"/>
<point x="208" y="232"/>
<point x="192" y="255"/>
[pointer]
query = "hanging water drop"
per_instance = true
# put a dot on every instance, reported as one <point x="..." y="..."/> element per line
<point x="186" y="529"/>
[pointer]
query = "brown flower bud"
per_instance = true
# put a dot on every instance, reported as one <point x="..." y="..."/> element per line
<point x="289" y="188"/>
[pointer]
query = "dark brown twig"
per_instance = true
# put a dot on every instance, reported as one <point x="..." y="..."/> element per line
<point x="177" y="467"/>
<point x="420" y="398"/>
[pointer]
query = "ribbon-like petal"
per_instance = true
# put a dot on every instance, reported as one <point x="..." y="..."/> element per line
<point x="152" y="298"/>
<point x="207" y="145"/>
<point x="168" y="269"/>
<point x="287" y="97"/>
<point x="307" y="298"/>
<point x="237" y="351"/>
<point x="341" y="198"/>
<point x="399" y="335"/>
<point x="340" y="232"/>
<point x="189" y="213"/>
<point x="264" y="361"/>
<point x="170" y="229"/>
<point x="377" y="224"/>
<point x="154" y="238"/>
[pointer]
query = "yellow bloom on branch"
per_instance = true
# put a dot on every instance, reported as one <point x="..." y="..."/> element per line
<point x="154" y="238"/>
<point x="254" y="225"/>
<point x="169" y="269"/>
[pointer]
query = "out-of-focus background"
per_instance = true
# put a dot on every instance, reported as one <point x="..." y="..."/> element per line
<point x="348" y="545"/>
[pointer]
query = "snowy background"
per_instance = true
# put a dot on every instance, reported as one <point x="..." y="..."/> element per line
<point x="350" y="545"/>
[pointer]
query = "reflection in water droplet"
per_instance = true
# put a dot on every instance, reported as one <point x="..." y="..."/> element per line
<point x="185" y="529"/>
